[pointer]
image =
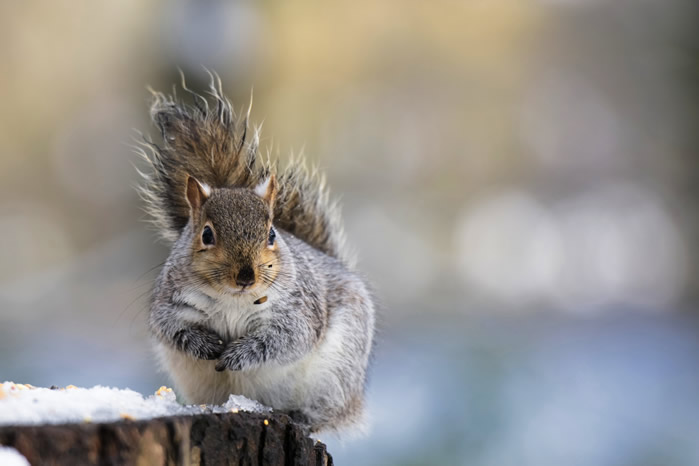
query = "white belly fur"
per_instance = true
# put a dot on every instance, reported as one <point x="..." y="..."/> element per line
<point x="282" y="387"/>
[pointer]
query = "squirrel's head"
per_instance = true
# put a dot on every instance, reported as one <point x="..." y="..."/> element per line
<point x="234" y="245"/>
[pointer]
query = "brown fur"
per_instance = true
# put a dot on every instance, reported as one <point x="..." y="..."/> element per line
<point x="208" y="141"/>
<point x="241" y="239"/>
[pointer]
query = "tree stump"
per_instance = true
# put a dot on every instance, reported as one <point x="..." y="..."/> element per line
<point x="200" y="440"/>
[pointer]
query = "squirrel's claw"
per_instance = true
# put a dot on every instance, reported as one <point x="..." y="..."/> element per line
<point x="220" y="366"/>
<point x="200" y="343"/>
<point x="230" y="359"/>
<point x="240" y="355"/>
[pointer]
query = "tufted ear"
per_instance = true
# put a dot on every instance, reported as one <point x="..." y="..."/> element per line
<point x="267" y="190"/>
<point x="197" y="194"/>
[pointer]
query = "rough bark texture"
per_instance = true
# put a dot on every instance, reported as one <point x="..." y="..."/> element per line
<point x="208" y="439"/>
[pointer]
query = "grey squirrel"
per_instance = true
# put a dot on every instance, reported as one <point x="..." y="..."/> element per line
<point x="258" y="296"/>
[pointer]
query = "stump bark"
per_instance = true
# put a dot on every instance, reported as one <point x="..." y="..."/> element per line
<point x="200" y="440"/>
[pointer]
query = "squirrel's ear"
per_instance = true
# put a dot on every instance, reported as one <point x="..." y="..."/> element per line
<point x="267" y="190"/>
<point x="197" y="193"/>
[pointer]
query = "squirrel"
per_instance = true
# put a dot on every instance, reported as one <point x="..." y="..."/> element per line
<point x="258" y="296"/>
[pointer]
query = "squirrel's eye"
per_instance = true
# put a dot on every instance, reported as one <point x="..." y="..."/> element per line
<point x="272" y="235"/>
<point x="207" y="236"/>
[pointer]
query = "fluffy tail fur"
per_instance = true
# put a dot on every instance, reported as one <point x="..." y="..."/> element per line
<point x="210" y="142"/>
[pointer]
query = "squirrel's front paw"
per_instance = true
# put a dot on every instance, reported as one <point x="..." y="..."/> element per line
<point x="200" y="342"/>
<point x="240" y="355"/>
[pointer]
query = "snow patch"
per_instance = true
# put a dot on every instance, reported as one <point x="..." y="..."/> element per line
<point x="26" y="405"/>
<point x="11" y="457"/>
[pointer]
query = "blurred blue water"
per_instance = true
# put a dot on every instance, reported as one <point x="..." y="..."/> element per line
<point x="484" y="388"/>
<point x="622" y="390"/>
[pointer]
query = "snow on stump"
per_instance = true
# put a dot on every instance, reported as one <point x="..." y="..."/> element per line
<point x="75" y="426"/>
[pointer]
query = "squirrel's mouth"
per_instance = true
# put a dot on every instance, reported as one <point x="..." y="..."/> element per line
<point x="240" y="291"/>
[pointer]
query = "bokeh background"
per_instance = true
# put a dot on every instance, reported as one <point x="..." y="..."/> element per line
<point x="519" y="179"/>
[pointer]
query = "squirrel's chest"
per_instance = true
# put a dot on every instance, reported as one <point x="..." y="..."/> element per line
<point x="229" y="316"/>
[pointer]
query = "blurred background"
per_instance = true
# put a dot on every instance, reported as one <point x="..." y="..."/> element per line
<point x="519" y="179"/>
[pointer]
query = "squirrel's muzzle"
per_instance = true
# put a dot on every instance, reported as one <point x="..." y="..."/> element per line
<point x="245" y="277"/>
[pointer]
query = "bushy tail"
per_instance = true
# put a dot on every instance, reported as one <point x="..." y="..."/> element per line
<point x="209" y="141"/>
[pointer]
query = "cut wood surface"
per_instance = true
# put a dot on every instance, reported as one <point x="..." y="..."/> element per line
<point x="200" y="440"/>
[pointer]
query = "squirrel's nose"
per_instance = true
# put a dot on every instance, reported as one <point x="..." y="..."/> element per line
<point x="246" y="277"/>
